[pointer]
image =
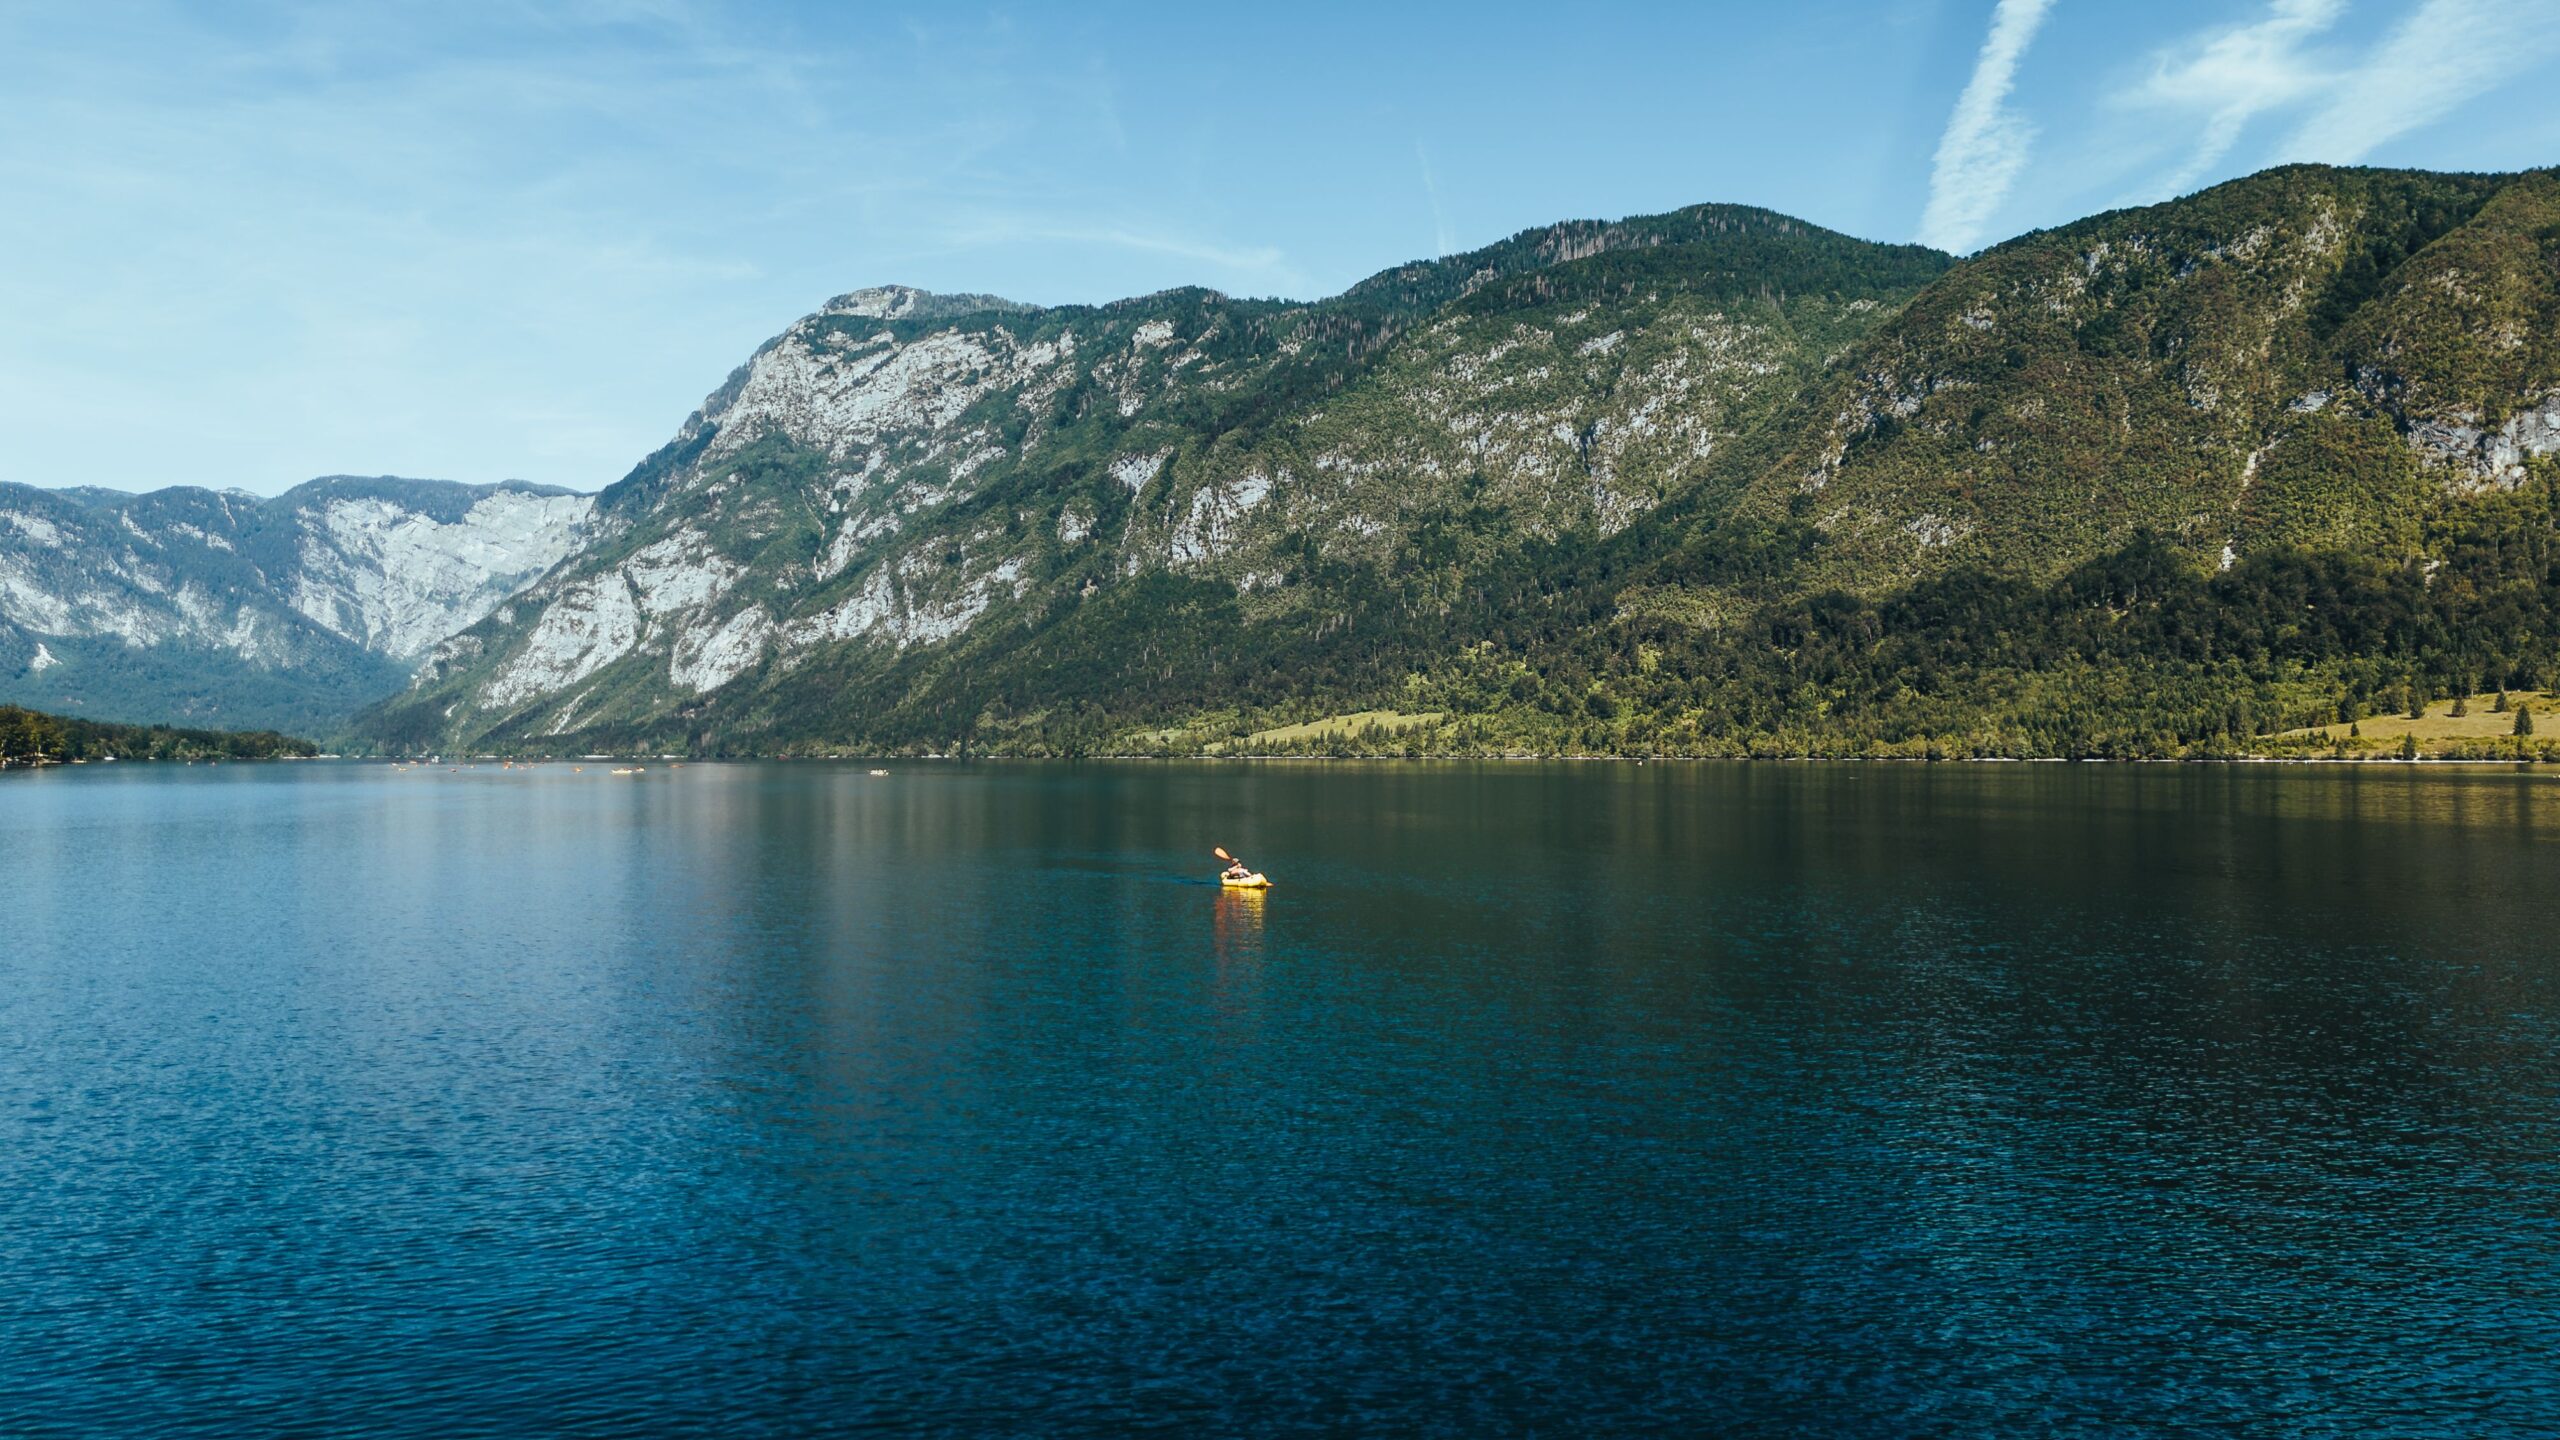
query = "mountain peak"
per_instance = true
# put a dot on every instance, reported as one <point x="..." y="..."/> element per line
<point x="905" y="302"/>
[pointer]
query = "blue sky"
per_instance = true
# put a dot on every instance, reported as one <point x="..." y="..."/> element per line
<point x="248" y="243"/>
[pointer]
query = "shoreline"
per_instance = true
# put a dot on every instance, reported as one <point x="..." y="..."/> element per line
<point x="2544" y="756"/>
<point x="2378" y="761"/>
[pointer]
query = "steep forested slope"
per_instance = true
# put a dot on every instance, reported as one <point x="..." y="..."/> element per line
<point x="2235" y="371"/>
<point x="2276" y="453"/>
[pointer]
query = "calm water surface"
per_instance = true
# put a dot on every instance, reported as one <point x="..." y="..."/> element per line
<point x="749" y="1100"/>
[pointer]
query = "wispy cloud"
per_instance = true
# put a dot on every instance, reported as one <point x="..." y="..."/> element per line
<point x="1985" y="144"/>
<point x="2446" y="52"/>
<point x="401" y="228"/>
<point x="1249" y="259"/>
<point x="2227" y="77"/>
<point x="1443" y="243"/>
<point x="1265" y="261"/>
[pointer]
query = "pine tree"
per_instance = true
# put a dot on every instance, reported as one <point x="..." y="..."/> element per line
<point x="2461" y="706"/>
<point x="2500" y="708"/>
<point x="2408" y="747"/>
<point x="2524" y="718"/>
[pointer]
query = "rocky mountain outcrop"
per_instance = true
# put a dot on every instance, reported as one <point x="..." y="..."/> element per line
<point x="226" y="608"/>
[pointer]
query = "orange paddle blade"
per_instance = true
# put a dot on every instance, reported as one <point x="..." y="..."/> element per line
<point x="1221" y="852"/>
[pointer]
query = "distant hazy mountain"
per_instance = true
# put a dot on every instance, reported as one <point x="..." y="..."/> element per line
<point x="224" y="608"/>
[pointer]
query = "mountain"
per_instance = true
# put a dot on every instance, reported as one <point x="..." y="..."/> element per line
<point x="226" y="608"/>
<point x="2155" y="482"/>
<point x="2184" y="479"/>
<point x="907" y="510"/>
<point x="2310" y="357"/>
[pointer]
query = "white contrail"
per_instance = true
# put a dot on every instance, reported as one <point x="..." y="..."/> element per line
<point x="1985" y="145"/>
<point x="1445" y="244"/>
<point x="2233" y="76"/>
<point x="2446" y="52"/>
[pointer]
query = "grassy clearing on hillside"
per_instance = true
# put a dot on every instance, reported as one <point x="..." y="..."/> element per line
<point x="1337" y="727"/>
<point x="2440" y="723"/>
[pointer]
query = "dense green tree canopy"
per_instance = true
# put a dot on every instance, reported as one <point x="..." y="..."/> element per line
<point x="33" y="737"/>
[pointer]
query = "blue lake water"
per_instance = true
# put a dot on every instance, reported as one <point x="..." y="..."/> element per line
<point x="1537" y="1099"/>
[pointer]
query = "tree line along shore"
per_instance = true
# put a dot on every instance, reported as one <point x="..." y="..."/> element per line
<point x="32" y="737"/>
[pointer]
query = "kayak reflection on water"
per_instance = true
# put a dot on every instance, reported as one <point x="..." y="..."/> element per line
<point x="1236" y="952"/>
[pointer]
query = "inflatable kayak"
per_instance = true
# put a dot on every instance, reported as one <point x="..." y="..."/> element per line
<point x="1250" y="882"/>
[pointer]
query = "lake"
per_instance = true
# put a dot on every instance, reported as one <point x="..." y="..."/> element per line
<point x="1558" y="1099"/>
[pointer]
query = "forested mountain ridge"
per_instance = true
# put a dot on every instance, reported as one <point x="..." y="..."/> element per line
<point x="2305" y="358"/>
<point x="227" y="608"/>
<point x="2175" y="480"/>
<point x="1715" y="482"/>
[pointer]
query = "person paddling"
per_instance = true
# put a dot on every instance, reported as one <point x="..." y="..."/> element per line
<point x="1236" y="872"/>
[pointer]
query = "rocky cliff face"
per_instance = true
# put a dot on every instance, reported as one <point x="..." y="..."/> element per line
<point x="396" y="568"/>
<point x="187" y="604"/>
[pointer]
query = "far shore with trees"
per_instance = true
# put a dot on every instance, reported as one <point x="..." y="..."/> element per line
<point x="32" y="737"/>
